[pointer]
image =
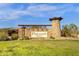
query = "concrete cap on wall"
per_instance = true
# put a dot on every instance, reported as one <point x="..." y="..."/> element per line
<point x="56" y="18"/>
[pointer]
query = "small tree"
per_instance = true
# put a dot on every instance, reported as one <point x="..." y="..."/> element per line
<point x="73" y="30"/>
<point x="65" y="31"/>
<point x="70" y="30"/>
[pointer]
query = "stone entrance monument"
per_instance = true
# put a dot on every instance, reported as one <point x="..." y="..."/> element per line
<point x="41" y="31"/>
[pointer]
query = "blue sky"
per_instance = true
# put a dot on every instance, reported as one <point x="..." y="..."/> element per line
<point x="12" y="14"/>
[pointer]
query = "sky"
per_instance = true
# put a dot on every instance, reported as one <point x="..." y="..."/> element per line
<point x="12" y="14"/>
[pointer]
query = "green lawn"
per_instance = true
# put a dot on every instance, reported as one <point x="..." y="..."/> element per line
<point x="39" y="48"/>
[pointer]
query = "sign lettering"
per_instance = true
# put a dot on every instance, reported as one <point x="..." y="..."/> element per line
<point x="38" y="34"/>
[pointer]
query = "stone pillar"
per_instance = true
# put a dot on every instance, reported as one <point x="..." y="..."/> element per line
<point x="27" y="33"/>
<point x="56" y="30"/>
<point x="21" y="33"/>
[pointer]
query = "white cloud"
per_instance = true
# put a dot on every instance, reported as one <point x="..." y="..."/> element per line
<point x="42" y="7"/>
<point x="39" y="10"/>
<point x="19" y="13"/>
<point x="31" y="10"/>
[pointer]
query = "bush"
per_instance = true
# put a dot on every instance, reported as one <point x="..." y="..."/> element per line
<point x="14" y="36"/>
<point x="3" y="38"/>
<point x="8" y="38"/>
<point x="26" y="38"/>
<point x="52" y="37"/>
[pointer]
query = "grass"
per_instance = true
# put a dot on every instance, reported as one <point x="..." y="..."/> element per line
<point x="39" y="48"/>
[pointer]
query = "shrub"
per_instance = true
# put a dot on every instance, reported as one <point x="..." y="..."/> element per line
<point x="3" y="38"/>
<point x="14" y="36"/>
<point x="26" y="38"/>
<point x="52" y="37"/>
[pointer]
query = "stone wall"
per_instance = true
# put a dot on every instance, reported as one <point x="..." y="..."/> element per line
<point x="27" y="32"/>
<point x="56" y="31"/>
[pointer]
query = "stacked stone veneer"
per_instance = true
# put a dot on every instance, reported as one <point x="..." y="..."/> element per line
<point x="56" y="31"/>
